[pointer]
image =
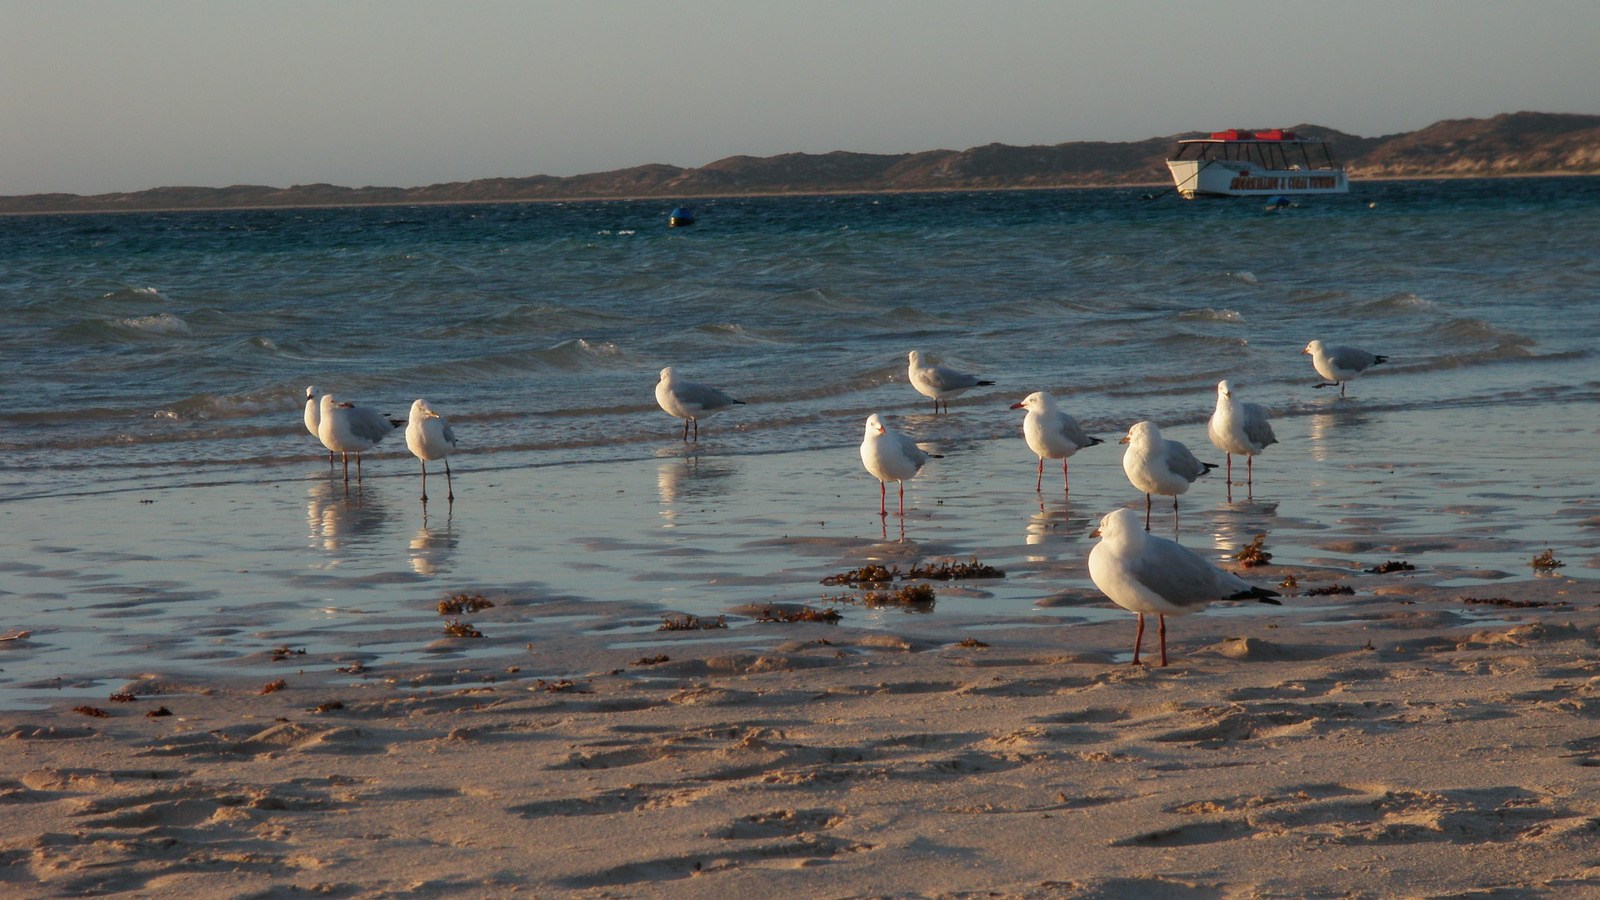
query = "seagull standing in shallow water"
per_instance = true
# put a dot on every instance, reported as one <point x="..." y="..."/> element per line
<point x="314" y="416"/>
<point x="1340" y="364"/>
<point x="429" y="436"/>
<point x="1143" y="574"/>
<point x="1159" y="466"/>
<point x="1051" y="433"/>
<point x="689" y="401"/>
<point x="891" y="456"/>
<point x="939" y="382"/>
<point x="346" y="428"/>
<point x="1238" y="427"/>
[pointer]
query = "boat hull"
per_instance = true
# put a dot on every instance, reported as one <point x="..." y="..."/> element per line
<point x="1227" y="178"/>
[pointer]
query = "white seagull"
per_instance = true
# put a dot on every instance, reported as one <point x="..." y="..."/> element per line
<point x="430" y="437"/>
<point x="1340" y="364"/>
<point x="1238" y="427"/>
<point x="346" y="428"/>
<point x="891" y="456"/>
<point x="939" y="382"/>
<point x="1051" y="433"/>
<point x="689" y="401"/>
<point x="1143" y="574"/>
<point x="1159" y="466"/>
<point x="314" y="416"/>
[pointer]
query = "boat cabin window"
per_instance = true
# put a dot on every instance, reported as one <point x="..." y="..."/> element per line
<point x="1279" y="155"/>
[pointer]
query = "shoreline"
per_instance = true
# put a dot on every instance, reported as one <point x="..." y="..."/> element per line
<point x="676" y="198"/>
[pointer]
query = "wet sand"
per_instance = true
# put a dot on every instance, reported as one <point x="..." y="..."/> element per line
<point x="1395" y="742"/>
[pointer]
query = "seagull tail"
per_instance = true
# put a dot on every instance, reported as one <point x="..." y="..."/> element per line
<point x="1379" y="359"/>
<point x="982" y="383"/>
<point x="1208" y="468"/>
<point x="1258" y="593"/>
<point x="398" y="423"/>
<point x="1093" y="441"/>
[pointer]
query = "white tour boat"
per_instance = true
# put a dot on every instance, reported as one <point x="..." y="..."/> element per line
<point x="1238" y="163"/>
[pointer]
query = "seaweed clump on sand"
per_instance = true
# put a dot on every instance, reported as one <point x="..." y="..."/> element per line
<point x="1546" y="562"/>
<point x="950" y="570"/>
<point x="688" y="622"/>
<point x="1513" y="604"/>
<point x="460" y="629"/>
<point x="867" y="574"/>
<point x="1393" y="565"/>
<point x="804" y="614"/>
<point x="1253" y="554"/>
<point x="1330" y="591"/>
<point x="939" y="570"/>
<point x="457" y="604"/>
<point x="916" y="597"/>
<point x="1289" y="582"/>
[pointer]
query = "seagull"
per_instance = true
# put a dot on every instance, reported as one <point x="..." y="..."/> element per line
<point x="346" y="428"/>
<point x="689" y="401"/>
<point x="314" y="416"/>
<point x="1158" y="466"/>
<point x="939" y="382"/>
<point x="1051" y="433"/>
<point x="430" y="437"/>
<point x="1143" y="574"/>
<point x="1340" y="364"/>
<point x="891" y="456"/>
<point x="1239" y="428"/>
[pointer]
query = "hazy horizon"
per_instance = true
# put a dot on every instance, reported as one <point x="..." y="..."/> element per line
<point x="122" y="97"/>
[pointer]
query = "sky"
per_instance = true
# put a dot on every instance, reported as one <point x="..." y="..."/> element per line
<point x="123" y="95"/>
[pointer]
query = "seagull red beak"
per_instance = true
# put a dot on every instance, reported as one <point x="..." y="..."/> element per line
<point x="1016" y="406"/>
<point x="1094" y="533"/>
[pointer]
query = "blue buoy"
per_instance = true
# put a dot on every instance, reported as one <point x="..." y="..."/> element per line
<point x="680" y="217"/>
<point x="1279" y="202"/>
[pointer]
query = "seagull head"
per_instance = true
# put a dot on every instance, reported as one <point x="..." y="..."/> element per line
<point x="875" y="425"/>
<point x="421" y="409"/>
<point x="311" y="392"/>
<point x="1224" y="388"/>
<point x="666" y="374"/>
<point x="1038" y="401"/>
<point x="916" y="357"/>
<point x="1119" y="525"/>
<point x="1142" y="433"/>
<point x="1314" y="348"/>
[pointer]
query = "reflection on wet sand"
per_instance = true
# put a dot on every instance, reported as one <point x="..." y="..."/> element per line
<point x="1240" y="524"/>
<point x="690" y="478"/>
<point x="434" y="545"/>
<point x="1055" y="527"/>
<point x="1326" y="425"/>
<point x="340" y="517"/>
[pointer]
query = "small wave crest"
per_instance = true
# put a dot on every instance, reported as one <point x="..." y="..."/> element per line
<point x="1477" y="331"/>
<point x="201" y="407"/>
<point x="129" y="328"/>
<point x="1211" y="315"/>
<point x="1398" y="304"/>
<point x="143" y="294"/>
<point x="735" y="333"/>
<point x="1246" y="277"/>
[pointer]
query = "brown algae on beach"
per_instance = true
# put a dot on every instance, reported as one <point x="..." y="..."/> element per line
<point x="1253" y="554"/>
<point x="457" y="604"/>
<point x="803" y="614"/>
<point x="919" y="597"/>
<point x="1546" y="562"/>
<point x="457" y="628"/>
<point x="938" y="570"/>
<point x="687" y="622"/>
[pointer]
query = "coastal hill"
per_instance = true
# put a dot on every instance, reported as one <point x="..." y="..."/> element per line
<point x="1524" y="143"/>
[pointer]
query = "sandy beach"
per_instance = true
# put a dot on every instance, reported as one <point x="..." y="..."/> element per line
<point x="1431" y="734"/>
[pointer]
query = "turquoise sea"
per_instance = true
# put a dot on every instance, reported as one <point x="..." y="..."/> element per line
<point x="162" y="507"/>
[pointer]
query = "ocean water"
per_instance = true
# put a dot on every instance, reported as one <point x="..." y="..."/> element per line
<point x="163" y="357"/>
